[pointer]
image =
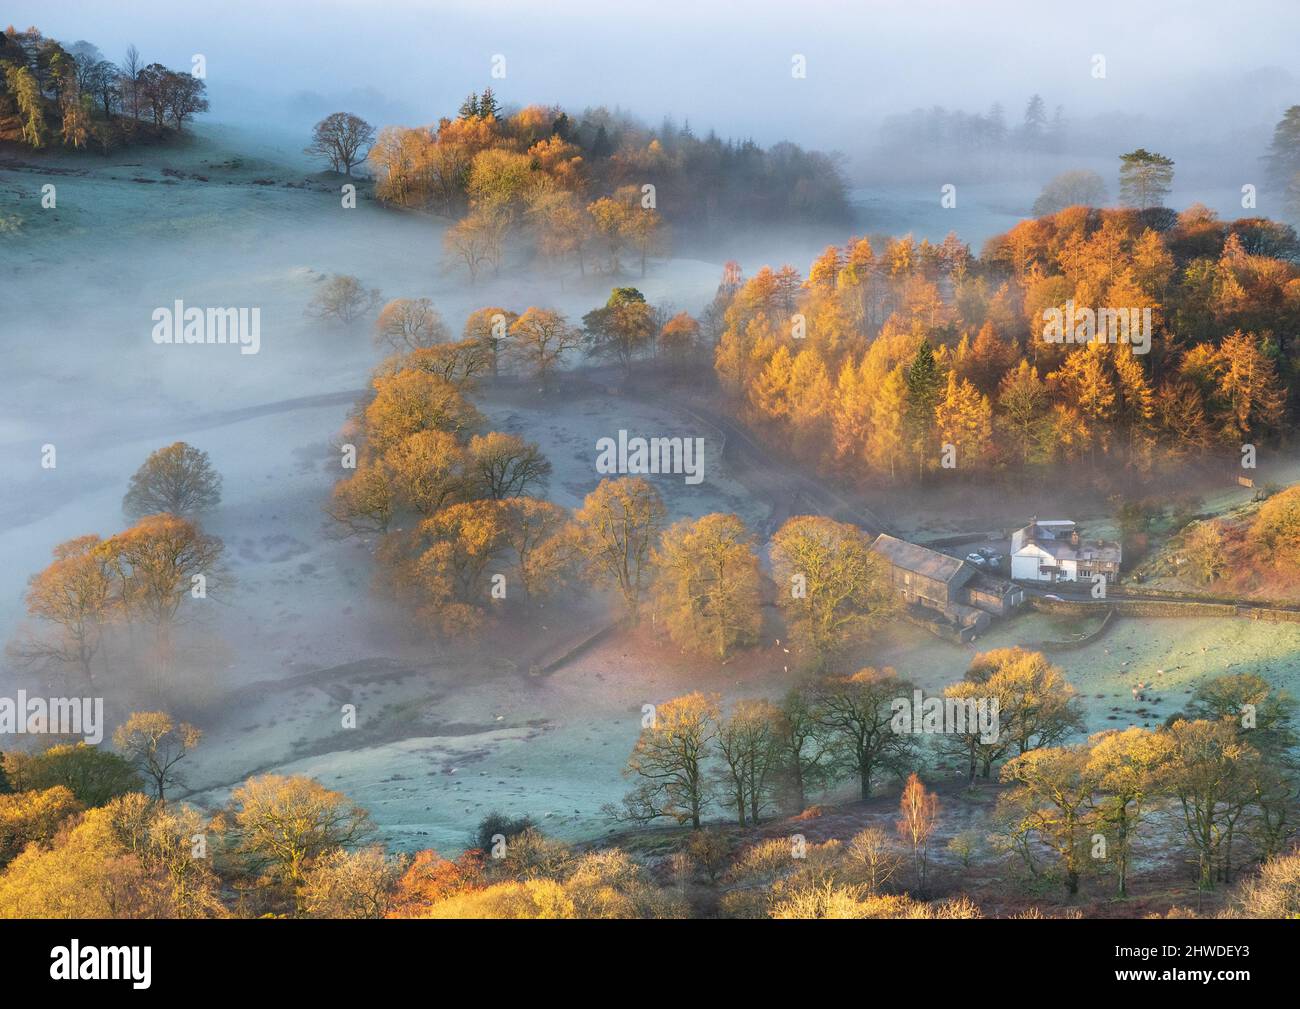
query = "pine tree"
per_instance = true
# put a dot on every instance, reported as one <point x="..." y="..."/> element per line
<point x="488" y="106"/>
<point x="996" y="128"/>
<point x="469" y="107"/>
<point x="923" y="385"/>
<point x="1145" y="178"/>
<point x="1035" y="121"/>
<point x="1284" y="152"/>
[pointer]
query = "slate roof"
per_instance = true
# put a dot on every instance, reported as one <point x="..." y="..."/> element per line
<point x="920" y="560"/>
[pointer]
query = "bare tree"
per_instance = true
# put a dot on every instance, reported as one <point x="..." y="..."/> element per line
<point x="155" y="745"/>
<point x="130" y="68"/>
<point x="343" y="139"/>
<point x="342" y="298"/>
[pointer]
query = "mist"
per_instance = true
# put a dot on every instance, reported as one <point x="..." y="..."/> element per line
<point x="877" y="151"/>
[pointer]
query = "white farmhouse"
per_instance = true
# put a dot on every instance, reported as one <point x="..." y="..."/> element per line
<point x="1050" y="550"/>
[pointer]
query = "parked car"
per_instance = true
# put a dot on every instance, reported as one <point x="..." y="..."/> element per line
<point x="976" y="559"/>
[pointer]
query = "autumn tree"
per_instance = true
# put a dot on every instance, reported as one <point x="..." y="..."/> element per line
<point x="458" y="362"/>
<point x="155" y="563"/>
<point x="412" y="401"/>
<point x="535" y="531"/>
<point x="1251" y="398"/>
<point x="887" y="437"/>
<point x="406" y="324"/>
<point x="1051" y="806"/>
<point x="1037" y="707"/>
<point x="92" y="871"/>
<point x="969" y="743"/>
<point x="1274" y="893"/>
<point x="448" y="575"/>
<point x="645" y="228"/>
<point x="154" y="744"/>
<point x="612" y="224"/>
<point x="1128" y="768"/>
<point x="363" y="502"/>
<point x="670" y="760"/>
<point x="617" y="528"/>
<point x="504" y="465"/>
<point x="872" y="858"/>
<point x="284" y="825"/>
<point x="1210" y="778"/>
<point x="1259" y="712"/>
<point x="343" y="140"/>
<point x="918" y="816"/>
<point x="539" y="341"/>
<point x="831" y="586"/>
<point x="707" y="586"/>
<point x="622" y="328"/>
<point x="1203" y="550"/>
<point x="31" y="816"/>
<point x="430" y="879"/>
<point x="964" y="419"/>
<point x="490" y="328"/>
<point x="351" y="884"/>
<point x="477" y="240"/>
<point x="76" y="593"/>
<point x="27" y="94"/>
<point x="678" y="339"/>
<point x="561" y="227"/>
<point x="428" y="470"/>
<point x="1276" y="529"/>
<point x="184" y="96"/>
<point x="178" y="479"/>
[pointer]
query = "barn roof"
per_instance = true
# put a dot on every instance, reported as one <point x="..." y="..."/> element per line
<point x="921" y="560"/>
